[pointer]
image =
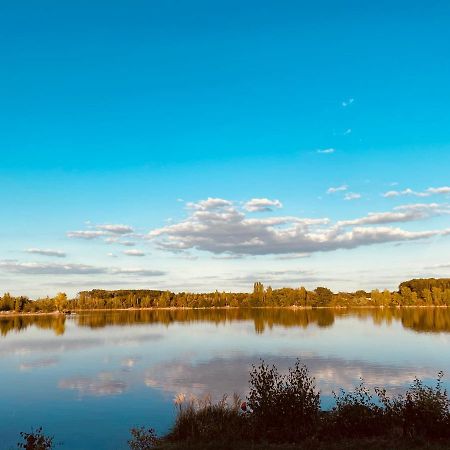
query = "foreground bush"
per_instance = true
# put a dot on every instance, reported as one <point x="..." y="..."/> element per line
<point x="282" y="407"/>
<point x="36" y="440"/>
<point x="356" y="414"/>
<point x="423" y="412"/>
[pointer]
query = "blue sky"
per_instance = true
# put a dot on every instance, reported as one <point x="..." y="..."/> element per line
<point x="135" y="113"/>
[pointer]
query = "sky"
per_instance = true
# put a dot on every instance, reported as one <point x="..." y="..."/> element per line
<point x="196" y="145"/>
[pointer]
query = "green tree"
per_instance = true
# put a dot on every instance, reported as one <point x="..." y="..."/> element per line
<point x="324" y="296"/>
<point x="257" y="298"/>
<point x="302" y="296"/>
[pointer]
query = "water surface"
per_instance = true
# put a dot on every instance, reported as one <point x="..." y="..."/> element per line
<point x="88" y="378"/>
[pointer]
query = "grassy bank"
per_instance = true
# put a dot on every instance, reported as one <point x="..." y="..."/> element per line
<point x="347" y="444"/>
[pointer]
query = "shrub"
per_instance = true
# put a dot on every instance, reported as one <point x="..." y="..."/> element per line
<point x="203" y="420"/>
<point x="35" y="440"/>
<point x="283" y="407"/>
<point x="424" y="411"/>
<point x="356" y="415"/>
<point x="427" y="410"/>
<point x="142" y="439"/>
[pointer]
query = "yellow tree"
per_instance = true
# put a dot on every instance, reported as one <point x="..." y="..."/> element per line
<point x="60" y="301"/>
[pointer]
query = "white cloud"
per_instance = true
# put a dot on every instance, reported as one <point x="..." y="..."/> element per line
<point x="332" y="190"/>
<point x="439" y="190"/>
<point x="404" y="213"/>
<point x="427" y="193"/>
<point x="111" y="231"/>
<point x="115" y="228"/>
<point x="352" y="196"/>
<point x="294" y="256"/>
<point x="226" y="230"/>
<point x="116" y="240"/>
<point x="134" y="252"/>
<point x="86" y="234"/>
<point x="438" y="266"/>
<point x="127" y="243"/>
<point x="111" y="240"/>
<point x="138" y="271"/>
<point x="348" y="102"/>
<point x="35" y="268"/>
<point x="228" y="256"/>
<point x="262" y="205"/>
<point x="326" y="150"/>
<point x="209" y="203"/>
<point x="46" y="252"/>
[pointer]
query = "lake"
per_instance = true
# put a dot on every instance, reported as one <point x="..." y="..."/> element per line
<point x="88" y="378"/>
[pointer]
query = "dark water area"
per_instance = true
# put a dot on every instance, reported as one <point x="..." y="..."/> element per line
<point x="90" y="377"/>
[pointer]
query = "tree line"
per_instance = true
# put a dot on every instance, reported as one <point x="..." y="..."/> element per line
<point x="416" y="292"/>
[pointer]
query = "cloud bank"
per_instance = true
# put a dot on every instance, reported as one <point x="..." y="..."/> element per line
<point x="219" y="226"/>
<point x="34" y="268"/>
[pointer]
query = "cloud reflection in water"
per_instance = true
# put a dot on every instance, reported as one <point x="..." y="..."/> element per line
<point x="102" y="385"/>
<point x="228" y="375"/>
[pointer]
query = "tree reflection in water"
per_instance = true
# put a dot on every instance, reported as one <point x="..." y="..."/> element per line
<point x="420" y="319"/>
<point x="17" y="323"/>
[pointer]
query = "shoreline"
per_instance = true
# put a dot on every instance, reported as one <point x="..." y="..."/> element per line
<point x="214" y="308"/>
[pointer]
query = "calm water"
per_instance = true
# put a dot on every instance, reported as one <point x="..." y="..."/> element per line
<point x="89" y="378"/>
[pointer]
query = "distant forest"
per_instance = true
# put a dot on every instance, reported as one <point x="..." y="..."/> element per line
<point x="416" y="292"/>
